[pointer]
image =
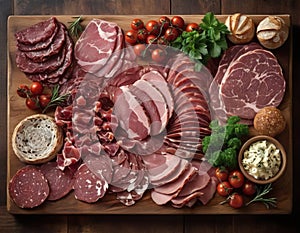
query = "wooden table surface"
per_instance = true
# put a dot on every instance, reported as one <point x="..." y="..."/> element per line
<point x="148" y="223"/>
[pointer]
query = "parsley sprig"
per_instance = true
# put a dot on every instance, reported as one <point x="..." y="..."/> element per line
<point x="205" y="44"/>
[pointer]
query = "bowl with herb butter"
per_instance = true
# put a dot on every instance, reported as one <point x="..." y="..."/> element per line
<point x="262" y="159"/>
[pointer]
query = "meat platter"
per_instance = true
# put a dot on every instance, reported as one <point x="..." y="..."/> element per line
<point x="17" y="110"/>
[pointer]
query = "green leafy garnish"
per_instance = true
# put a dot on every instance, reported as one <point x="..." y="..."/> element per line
<point x="56" y="99"/>
<point x="262" y="191"/>
<point x="209" y="43"/>
<point x="75" y="28"/>
<point x="222" y="146"/>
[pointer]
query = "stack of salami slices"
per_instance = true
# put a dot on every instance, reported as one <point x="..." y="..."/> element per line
<point x="45" y="52"/>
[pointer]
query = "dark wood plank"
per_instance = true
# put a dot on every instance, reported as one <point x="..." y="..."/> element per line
<point x="91" y="7"/>
<point x="195" y="6"/>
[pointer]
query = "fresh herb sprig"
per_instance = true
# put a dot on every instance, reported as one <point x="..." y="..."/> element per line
<point x="56" y="99"/>
<point x="75" y="28"/>
<point x="260" y="196"/>
<point x="207" y="43"/>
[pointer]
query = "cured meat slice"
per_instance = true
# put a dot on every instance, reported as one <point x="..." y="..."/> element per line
<point x="209" y="191"/>
<point x="60" y="182"/>
<point x="88" y="187"/>
<point x="38" y="32"/>
<point x="28" y="187"/>
<point x="181" y="201"/>
<point x="53" y="48"/>
<point x="96" y="45"/>
<point x="131" y="114"/>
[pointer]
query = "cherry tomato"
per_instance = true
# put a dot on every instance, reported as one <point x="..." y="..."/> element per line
<point x="236" y="179"/>
<point x="221" y="173"/>
<point x="236" y="200"/>
<point x="36" y="88"/>
<point x="224" y="188"/>
<point x="249" y="188"/>
<point x="164" y="22"/>
<point x="142" y="35"/>
<point x="191" y="27"/>
<point x="151" y="39"/>
<point x="139" y="49"/>
<point x="44" y="100"/>
<point x="153" y="27"/>
<point x="171" y="34"/>
<point x="177" y="21"/>
<point x="162" y="41"/>
<point x="137" y="24"/>
<point x="158" y="55"/>
<point x="32" y="103"/>
<point x="131" y="37"/>
<point x="23" y="91"/>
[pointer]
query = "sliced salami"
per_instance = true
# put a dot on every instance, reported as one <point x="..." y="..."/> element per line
<point x="28" y="187"/>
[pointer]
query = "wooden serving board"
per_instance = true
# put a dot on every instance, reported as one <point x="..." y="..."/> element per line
<point x="17" y="110"/>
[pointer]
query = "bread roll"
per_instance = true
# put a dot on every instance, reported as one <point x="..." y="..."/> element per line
<point x="241" y="27"/>
<point x="272" y="32"/>
<point x="37" y="139"/>
<point x="269" y="121"/>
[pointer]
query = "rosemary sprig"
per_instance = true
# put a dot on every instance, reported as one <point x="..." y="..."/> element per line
<point x="56" y="99"/>
<point x="260" y="196"/>
<point x="75" y="28"/>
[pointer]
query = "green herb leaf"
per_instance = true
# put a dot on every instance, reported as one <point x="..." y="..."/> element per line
<point x="75" y="28"/>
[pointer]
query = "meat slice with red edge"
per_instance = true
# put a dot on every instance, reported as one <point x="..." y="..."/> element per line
<point x="28" y="187"/>
<point x="60" y="182"/>
<point x="88" y="187"/>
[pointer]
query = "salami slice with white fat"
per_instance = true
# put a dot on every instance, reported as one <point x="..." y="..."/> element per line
<point x="60" y="182"/>
<point x="28" y="187"/>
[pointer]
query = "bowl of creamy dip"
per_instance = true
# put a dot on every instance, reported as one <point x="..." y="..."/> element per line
<point x="262" y="159"/>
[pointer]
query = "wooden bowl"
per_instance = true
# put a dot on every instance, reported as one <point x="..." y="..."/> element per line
<point x="282" y="165"/>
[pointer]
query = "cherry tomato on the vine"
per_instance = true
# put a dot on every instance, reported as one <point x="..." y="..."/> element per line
<point x="222" y="173"/>
<point x="131" y="36"/>
<point x="162" y="41"/>
<point x="32" y="103"/>
<point x="158" y="55"/>
<point x="177" y="21"/>
<point x="151" y="39"/>
<point x="139" y="49"/>
<point x="137" y="24"/>
<point x="142" y="35"/>
<point x="23" y="91"/>
<point x="36" y="88"/>
<point x="164" y="22"/>
<point x="153" y="27"/>
<point x="236" y="179"/>
<point x="171" y="34"/>
<point x="44" y="100"/>
<point x="249" y="188"/>
<point x="236" y="200"/>
<point x="224" y="188"/>
<point x="191" y="27"/>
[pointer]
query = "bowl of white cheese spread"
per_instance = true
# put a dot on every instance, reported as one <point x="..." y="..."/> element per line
<point x="262" y="159"/>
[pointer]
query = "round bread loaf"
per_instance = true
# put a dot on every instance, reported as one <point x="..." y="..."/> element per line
<point x="37" y="139"/>
<point x="272" y="32"/>
<point x="269" y="121"/>
<point x="241" y="27"/>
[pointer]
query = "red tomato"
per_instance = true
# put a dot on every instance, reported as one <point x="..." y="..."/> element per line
<point x="158" y="55"/>
<point x="224" y="188"/>
<point x="249" y="188"/>
<point x="131" y="37"/>
<point x="153" y="27"/>
<point x="44" y="100"/>
<point x="191" y="27"/>
<point x="137" y="24"/>
<point x="236" y="201"/>
<point x="142" y="35"/>
<point x="221" y="174"/>
<point x="236" y="179"/>
<point x="36" y="88"/>
<point x="177" y="21"/>
<point x="171" y="34"/>
<point x="151" y="39"/>
<point x="139" y="49"/>
<point x="164" y="22"/>
<point x="23" y="91"/>
<point x="162" y="41"/>
<point x="32" y="103"/>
